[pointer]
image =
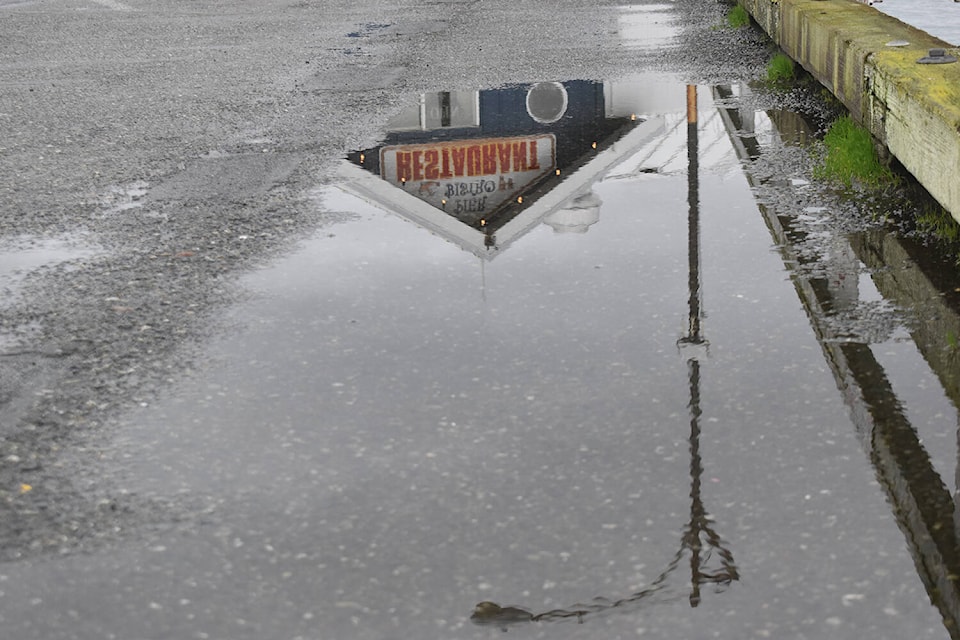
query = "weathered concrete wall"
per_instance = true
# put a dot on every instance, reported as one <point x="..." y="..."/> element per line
<point x="913" y="109"/>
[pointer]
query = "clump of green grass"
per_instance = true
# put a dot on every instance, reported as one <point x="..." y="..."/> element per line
<point x="851" y="157"/>
<point x="780" y="69"/>
<point x="951" y="341"/>
<point x="738" y="17"/>
<point x="936" y="222"/>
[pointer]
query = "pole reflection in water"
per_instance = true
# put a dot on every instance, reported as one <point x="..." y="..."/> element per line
<point x="699" y="537"/>
<point x="699" y="525"/>
<point x="693" y="337"/>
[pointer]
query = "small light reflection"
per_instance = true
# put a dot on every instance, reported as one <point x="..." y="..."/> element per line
<point x="520" y="199"/>
<point x="594" y="145"/>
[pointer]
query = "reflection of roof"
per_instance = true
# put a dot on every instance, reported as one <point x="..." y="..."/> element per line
<point x="668" y="153"/>
<point x="373" y="189"/>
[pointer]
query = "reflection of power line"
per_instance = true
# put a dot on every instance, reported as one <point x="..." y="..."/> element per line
<point x="651" y="151"/>
<point x="665" y="155"/>
<point x="699" y="538"/>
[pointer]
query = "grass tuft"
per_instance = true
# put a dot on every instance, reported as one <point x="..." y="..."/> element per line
<point x="851" y="157"/>
<point x="936" y="222"/>
<point x="780" y="69"/>
<point x="738" y="17"/>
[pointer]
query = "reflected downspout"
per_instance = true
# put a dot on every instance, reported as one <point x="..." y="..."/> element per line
<point x="483" y="279"/>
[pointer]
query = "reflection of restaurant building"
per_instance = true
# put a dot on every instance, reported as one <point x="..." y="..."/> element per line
<point x="482" y="168"/>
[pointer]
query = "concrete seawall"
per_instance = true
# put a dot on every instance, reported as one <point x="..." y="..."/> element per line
<point x="912" y="109"/>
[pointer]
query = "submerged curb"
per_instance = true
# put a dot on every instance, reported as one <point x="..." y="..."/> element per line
<point x="870" y="62"/>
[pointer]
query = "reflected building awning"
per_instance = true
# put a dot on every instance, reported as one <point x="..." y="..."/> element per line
<point x="487" y="241"/>
<point x="481" y="169"/>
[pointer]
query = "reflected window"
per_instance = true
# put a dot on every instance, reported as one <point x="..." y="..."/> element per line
<point x="440" y="110"/>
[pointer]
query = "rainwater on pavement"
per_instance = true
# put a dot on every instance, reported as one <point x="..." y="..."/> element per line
<point x="640" y="385"/>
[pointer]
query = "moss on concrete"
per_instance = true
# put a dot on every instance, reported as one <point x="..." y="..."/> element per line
<point x="938" y="85"/>
<point x="912" y="109"/>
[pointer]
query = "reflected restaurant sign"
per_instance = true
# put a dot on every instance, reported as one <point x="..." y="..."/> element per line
<point x="469" y="176"/>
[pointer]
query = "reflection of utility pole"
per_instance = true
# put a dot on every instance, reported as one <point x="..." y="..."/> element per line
<point x="699" y="537"/>
<point x="699" y="522"/>
<point x="699" y="527"/>
<point x="694" y="335"/>
<point x="691" y="538"/>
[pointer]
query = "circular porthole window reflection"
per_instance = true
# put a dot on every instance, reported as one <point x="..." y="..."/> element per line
<point x="547" y="102"/>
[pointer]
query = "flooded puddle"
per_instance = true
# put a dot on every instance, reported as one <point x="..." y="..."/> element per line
<point x="557" y="359"/>
<point x="20" y="255"/>
<point x="572" y="359"/>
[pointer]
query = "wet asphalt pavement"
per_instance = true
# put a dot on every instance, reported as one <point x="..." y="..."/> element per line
<point x="238" y="400"/>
